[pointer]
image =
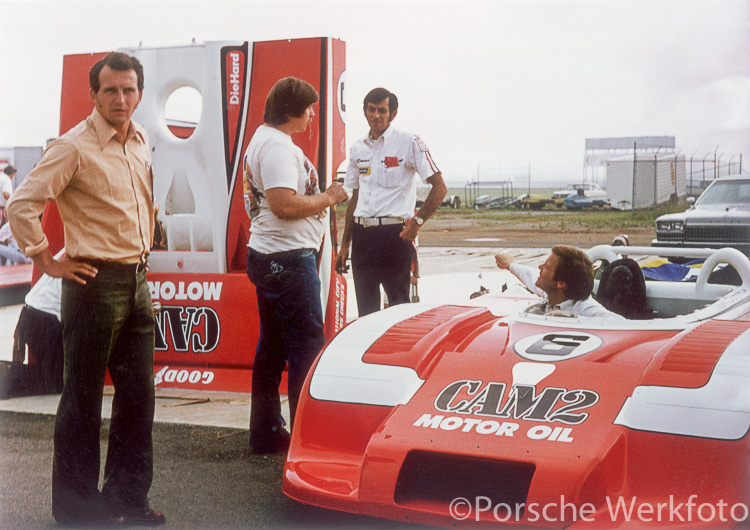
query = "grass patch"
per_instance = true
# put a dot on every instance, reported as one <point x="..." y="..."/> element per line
<point x="600" y="219"/>
<point x="595" y="219"/>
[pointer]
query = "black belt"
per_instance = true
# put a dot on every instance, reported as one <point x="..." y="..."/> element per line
<point x="115" y="266"/>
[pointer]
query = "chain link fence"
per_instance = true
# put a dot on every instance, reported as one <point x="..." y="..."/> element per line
<point x="702" y="170"/>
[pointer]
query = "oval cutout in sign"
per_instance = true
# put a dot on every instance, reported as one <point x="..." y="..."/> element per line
<point x="557" y="345"/>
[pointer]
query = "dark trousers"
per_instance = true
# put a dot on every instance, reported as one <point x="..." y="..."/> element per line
<point x="380" y="257"/>
<point x="107" y="323"/>
<point x="287" y="288"/>
<point x="41" y="333"/>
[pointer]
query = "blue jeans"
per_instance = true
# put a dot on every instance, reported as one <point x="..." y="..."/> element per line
<point x="107" y="323"/>
<point x="287" y="287"/>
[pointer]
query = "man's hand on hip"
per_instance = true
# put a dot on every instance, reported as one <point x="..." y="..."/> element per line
<point x="64" y="267"/>
<point x="410" y="231"/>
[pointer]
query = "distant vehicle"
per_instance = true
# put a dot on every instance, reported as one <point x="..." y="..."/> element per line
<point x="591" y="190"/>
<point x="719" y="218"/>
<point x="451" y="201"/>
<point x="481" y="200"/>
<point x="498" y="203"/>
<point x="577" y="201"/>
<point x="488" y="202"/>
<point x="532" y="202"/>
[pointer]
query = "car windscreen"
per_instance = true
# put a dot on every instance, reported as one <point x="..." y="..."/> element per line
<point x="729" y="192"/>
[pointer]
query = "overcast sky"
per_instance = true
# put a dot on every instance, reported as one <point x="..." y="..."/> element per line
<point x="495" y="84"/>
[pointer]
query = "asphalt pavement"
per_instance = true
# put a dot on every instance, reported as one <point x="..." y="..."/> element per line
<point x="204" y="477"/>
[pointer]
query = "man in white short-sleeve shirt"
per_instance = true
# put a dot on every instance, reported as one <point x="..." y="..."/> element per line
<point x="381" y="225"/>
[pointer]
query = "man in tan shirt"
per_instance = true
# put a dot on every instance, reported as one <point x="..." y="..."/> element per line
<point x="100" y="174"/>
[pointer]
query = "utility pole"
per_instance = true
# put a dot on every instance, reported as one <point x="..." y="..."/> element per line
<point x="635" y="163"/>
<point x="675" y="173"/>
<point x="656" y="175"/>
<point x="691" y="171"/>
<point x="703" y="187"/>
<point x="529" y="179"/>
<point x="715" y="173"/>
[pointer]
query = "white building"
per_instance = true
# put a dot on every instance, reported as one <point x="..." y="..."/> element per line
<point x="645" y="180"/>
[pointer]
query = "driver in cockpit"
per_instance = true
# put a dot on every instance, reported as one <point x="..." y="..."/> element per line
<point x="565" y="281"/>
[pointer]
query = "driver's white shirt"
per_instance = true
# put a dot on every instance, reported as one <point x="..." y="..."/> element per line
<point x="584" y="308"/>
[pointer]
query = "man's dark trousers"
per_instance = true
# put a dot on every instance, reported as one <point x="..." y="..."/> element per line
<point x="107" y="323"/>
<point x="380" y="257"/>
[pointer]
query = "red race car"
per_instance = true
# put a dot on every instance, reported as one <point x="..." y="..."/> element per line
<point x="479" y="413"/>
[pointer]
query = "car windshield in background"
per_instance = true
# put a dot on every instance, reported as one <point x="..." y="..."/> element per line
<point x="726" y="193"/>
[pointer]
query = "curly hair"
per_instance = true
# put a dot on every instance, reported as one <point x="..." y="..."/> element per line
<point x="575" y="269"/>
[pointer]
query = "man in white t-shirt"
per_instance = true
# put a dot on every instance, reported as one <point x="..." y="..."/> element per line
<point x="381" y="226"/>
<point x="565" y="281"/>
<point x="283" y="198"/>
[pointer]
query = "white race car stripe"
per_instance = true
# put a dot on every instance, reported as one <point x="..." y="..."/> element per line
<point x="341" y="375"/>
<point x="720" y="409"/>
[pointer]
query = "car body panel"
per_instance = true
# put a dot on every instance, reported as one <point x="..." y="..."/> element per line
<point x="413" y="407"/>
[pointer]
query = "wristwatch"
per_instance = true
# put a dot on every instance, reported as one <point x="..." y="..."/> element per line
<point x="418" y="220"/>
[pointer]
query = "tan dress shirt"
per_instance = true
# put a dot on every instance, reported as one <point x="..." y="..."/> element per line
<point x="103" y="192"/>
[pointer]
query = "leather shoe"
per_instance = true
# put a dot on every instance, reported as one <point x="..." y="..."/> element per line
<point x="273" y="444"/>
<point x="144" y="518"/>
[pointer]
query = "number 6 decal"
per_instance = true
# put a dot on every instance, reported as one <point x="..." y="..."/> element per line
<point x="556" y="346"/>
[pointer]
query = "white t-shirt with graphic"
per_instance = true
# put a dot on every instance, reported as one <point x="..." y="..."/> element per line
<point x="273" y="161"/>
